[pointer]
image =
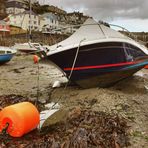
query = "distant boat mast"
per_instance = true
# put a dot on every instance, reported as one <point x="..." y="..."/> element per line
<point x="30" y="24"/>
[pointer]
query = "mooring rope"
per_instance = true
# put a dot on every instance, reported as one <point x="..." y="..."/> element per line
<point x="74" y="62"/>
<point x="71" y="72"/>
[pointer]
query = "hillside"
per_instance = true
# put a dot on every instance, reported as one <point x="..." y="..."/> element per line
<point x="2" y="9"/>
<point x="40" y="9"/>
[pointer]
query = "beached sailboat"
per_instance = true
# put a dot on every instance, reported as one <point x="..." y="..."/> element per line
<point x="96" y="55"/>
<point x="29" y="47"/>
<point x="6" y="54"/>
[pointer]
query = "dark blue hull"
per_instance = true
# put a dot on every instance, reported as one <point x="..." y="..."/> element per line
<point x="103" y="77"/>
<point x="100" y="64"/>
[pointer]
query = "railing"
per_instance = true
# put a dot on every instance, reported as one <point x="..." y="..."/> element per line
<point x="129" y="34"/>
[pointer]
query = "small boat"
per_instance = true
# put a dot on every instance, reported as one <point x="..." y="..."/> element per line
<point x="96" y="55"/>
<point x="6" y="54"/>
<point x="28" y="47"/>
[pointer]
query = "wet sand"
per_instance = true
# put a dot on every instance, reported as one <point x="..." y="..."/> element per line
<point x="128" y="98"/>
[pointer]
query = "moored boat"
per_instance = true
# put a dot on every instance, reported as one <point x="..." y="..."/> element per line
<point x="6" y="54"/>
<point x="96" y="55"/>
<point x="28" y="47"/>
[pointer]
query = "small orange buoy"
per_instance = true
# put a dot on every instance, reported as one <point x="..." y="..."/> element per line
<point x="35" y="59"/>
<point x="21" y="118"/>
<point x="146" y="67"/>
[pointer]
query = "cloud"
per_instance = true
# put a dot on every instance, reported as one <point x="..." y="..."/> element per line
<point x="105" y="9"/>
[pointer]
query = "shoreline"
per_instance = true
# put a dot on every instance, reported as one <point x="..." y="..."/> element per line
<point x="128" y="98"/>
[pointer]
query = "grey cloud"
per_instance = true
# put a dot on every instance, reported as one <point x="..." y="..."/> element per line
<point x="106" y="9"/>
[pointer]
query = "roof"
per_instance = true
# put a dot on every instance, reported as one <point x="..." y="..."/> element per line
<point x="90" y="31"/>
<point x="2" y="22"/>
<point x="15" y="26"/>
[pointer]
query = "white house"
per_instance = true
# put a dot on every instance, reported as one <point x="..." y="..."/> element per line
<point x="25" y="20"/>
<point x="48" y="22"/>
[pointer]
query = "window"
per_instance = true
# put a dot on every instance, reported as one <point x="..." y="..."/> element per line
<point x="2" y="52"/>
<point x="134" y="51"/>
<point x="104" y="53"/>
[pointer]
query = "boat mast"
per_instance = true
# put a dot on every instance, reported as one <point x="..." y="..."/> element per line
<point x="30" y="7"/>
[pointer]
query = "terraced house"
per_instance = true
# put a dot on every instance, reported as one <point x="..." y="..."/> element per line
<point x="25" y="20"/>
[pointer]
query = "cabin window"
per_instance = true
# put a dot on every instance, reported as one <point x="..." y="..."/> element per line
<point x="105" y="53"/>
<point x="8" y="51"/>
<point x="2" y="52"/>
<point x="134" y="51"/>
<point x="111" y="55"/>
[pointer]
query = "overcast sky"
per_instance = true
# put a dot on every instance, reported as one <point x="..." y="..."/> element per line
<point x="132" y="14"/>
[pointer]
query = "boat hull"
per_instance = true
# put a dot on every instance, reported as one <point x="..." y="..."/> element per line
<point x="27" y="50"/>
<point x="106" y="79"/>
<point x="28" y="47"/>
<point x="5" y="58"/>
<point x="100" y="64"/>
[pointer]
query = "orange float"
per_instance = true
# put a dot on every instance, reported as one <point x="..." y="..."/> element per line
<point x="21" y="118"/>
<point x="35" y="59"/>
<point x="146" y="67"/>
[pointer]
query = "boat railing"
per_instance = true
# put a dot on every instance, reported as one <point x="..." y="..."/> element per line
<point x="128" y="33"/>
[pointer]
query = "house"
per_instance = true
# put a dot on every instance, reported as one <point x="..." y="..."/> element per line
<point x="2" y="9"/>
<point x="26" y="20"/>
<point x="15" y="6"/>
<point x="48" y="22"/>
<point x="76" y="18"/>
<point x="4" y="28"/>
<point x="70" y="21"/>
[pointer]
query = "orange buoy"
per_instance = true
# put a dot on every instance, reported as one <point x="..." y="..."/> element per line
<point x="146" y="67"/>
<point x="21" y="118"/>
<point x="35" y="59"/>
